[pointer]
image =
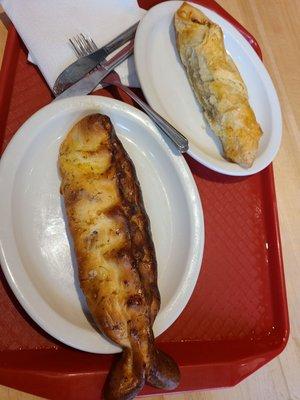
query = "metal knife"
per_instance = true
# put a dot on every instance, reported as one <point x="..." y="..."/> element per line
<point x="74" y="72"/>
<point x="88" y="83"/>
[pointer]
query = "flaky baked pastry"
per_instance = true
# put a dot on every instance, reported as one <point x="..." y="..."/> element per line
<point x="115" y="253"/>
<point x="217" y="84"/>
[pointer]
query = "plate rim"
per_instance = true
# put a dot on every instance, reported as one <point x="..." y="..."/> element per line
<point x="12" y="275"/>
<point x="227" y="168"/>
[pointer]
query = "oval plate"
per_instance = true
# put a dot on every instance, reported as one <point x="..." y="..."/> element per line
<point x="166" y="88"/>
<point x="35" y="251"/>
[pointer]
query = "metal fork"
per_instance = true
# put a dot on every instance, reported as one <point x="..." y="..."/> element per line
<point x="84" y="45"/>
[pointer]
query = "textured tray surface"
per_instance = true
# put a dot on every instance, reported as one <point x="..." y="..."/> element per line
<point x="239" y="298"/>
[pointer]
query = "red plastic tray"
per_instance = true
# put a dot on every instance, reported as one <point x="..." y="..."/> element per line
<point x="236" y="319"/>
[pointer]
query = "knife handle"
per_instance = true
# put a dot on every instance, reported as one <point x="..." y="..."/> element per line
<point x="112" y="46"/>
<point x="122" y="55"/>
<point x="121" y="39"/>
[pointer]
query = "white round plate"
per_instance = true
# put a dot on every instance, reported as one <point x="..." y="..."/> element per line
<point x="35" y="251"/>
<point x="166" y="88"/>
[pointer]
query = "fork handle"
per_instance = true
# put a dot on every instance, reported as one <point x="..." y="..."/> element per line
<point x="177" y="138"/>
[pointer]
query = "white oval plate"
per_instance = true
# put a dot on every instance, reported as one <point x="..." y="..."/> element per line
<point x="35" y="251"/>
<point x="166" y="88"/>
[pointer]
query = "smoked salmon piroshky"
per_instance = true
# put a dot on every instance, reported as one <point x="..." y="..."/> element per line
<point x="115" y="253"/>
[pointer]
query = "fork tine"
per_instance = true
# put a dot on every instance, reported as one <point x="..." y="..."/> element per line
<point x="79" y="46"/>
<point x="93" y="44"/>
<point x="87" y="44"/>
<point x="83" y="45"/>
<point x="74" y="47"/>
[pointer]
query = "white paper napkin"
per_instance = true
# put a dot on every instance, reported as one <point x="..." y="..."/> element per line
<point x="46" y="25"/>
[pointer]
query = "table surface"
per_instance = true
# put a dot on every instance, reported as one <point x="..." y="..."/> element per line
<point x="275" y="24"/>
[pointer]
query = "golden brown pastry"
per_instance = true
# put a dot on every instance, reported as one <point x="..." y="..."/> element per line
<point x="115" y="253"/>
<point x="217" y="84"/>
